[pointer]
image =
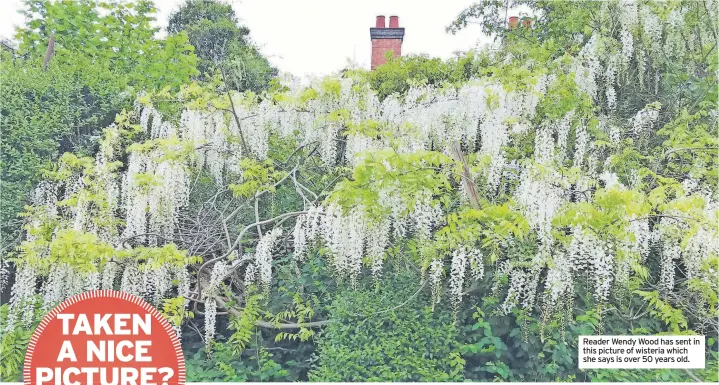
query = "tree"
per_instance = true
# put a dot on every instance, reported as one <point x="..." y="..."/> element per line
<point x="121" y="40"/>
<point x="60" y="105"/>
<point x="222" y="44"/>
<point x="212" y="27"/>
<point x="401" y="73"/>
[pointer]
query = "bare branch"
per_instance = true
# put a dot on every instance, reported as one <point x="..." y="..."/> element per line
<point x="238" y="245"/>
<point x="48" y="53"/>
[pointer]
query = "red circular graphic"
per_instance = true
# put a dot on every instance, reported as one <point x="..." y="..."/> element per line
<point x="104" y="337"/>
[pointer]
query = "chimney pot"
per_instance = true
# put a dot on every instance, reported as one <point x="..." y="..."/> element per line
<point x="513" y="22"/>
<point x="527" y="23"/>
<point x="394" y="22"/>
<point x="385" y="40"/>
<point x="380" y="22"/>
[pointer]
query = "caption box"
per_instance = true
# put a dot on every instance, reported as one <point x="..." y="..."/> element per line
<point x="641" y="352"/>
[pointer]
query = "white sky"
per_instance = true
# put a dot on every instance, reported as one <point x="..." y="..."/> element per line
<point x="318" y="37"/>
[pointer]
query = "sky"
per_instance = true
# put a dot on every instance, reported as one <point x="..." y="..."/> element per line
<point x="319" y="37"/>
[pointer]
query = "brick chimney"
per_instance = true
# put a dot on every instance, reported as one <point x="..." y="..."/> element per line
<point x="385" y="39"/>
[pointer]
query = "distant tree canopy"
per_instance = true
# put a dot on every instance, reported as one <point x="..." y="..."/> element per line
<point x="221" y="43"/>
<point x="401" y="73"/>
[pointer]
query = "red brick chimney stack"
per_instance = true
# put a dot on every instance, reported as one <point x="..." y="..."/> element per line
<point x="385" y="39"/>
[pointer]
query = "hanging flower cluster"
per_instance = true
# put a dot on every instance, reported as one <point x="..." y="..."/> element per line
<point x="464" y="258"/>
<point x="353" y="237"/>
<point x="261" y="269"/>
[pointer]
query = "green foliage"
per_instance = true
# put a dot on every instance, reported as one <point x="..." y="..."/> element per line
<point x="487" y="343"/>
<point x="371" y="338"/>
<point x="257" y="177"/>
<point x="488" y="13"/>
<point x="44" y="114"/>
<point x="61" y="109"/>
<point x="513" y="348"/>
<point x="13" y="346"/>
<point x="12" y="354"/>
<point x="302" y="311"/>
<point x="174" y="309"/>
<point x="223" y="366"/>
<point x="244" y="325"/>
<point x="386" y="168"/>
<point x="691" y="141"/>
<point x="400" y="73"/>
<point x="494" y="226"/>
<point x="222" y="44"/>
<point x="674" y="318"/>
<point x="123" y="42"/>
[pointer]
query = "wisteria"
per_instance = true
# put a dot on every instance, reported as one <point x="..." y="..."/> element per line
<point x="263" y="258"/>
<point x="644" y="120"/>
<point x="155" y="190"/>
<point x="456" y="283"/>
<point x="436" y="271"/>
<point x="556" y="176"/>
<point x="540" y="200"/>
<point x="23" y="299"/>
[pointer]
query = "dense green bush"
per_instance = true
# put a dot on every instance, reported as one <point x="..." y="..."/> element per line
<point x="388" y="334"/>
<point x="224" y="366"/>
<point x="400" y="73"/>
<point x="46" y="113"/>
